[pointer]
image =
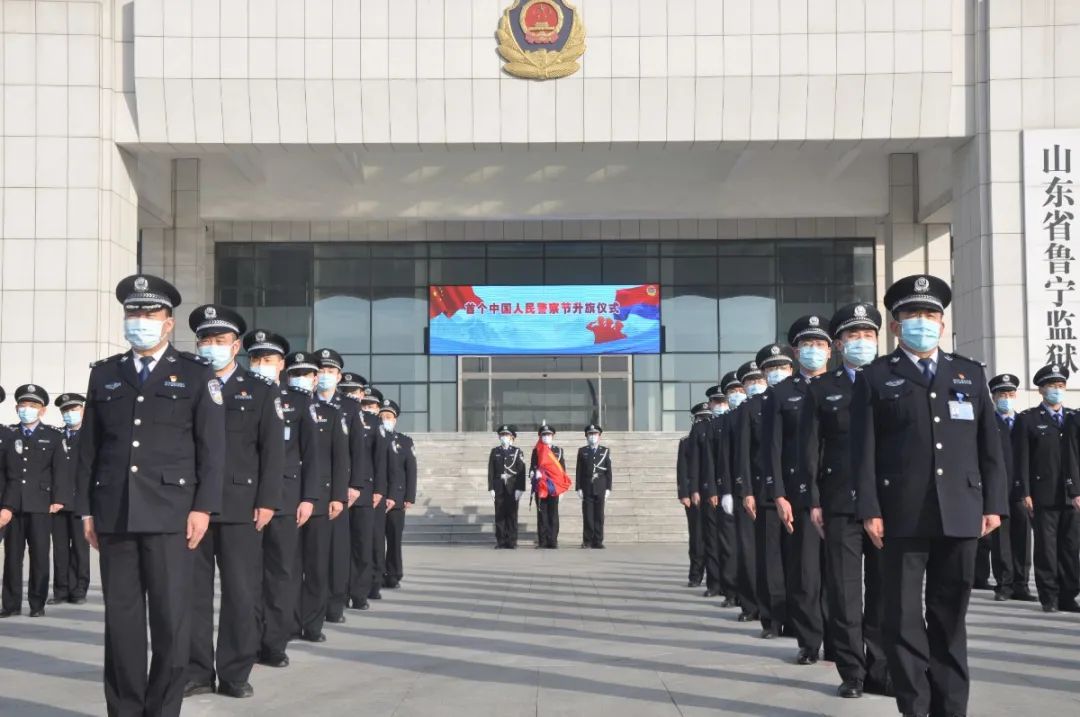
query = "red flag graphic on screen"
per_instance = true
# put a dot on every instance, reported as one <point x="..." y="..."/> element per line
<point x="448" y="300"/>
<point x="553" y="479"/>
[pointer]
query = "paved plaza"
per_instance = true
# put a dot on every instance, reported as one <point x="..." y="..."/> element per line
<point x="475" y="632"/>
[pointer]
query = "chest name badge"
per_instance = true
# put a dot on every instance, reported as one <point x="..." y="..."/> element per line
<point x="961" y="411"/>
<point x="834" y="397"/>
<point x="112" y="386"/>
<point x="895" y="382"/>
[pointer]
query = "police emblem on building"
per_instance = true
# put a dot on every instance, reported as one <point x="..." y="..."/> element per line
<point x="541" y="39"/>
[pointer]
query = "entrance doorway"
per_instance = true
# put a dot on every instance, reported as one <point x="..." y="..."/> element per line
<point x="568" y="392"/>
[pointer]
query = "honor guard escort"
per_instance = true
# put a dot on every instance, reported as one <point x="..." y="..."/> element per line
<point x="151" y="465"/>
<point x="547" y="506"/>
<point x="71" y="552"/>
<point x="593" y="484"/>
<point x="395" y="464"/>
<point x="929" y="483"/>
<point x="254" y="456"/>
<point x="506" y="484"/>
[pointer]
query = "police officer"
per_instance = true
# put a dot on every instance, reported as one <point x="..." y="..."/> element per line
<point x="787" y="466"/>
<point x="363" y="490"/>
<point x="854" y="632"/>
<point x="395" y="463"/>
<point x="332" y="446"/>
<point x="266" y="352"/>
<point x="996" y="550"/>
<point x="330" y="370"/>
<point x="930" y="481"/>
<point x="713" y="445"/>
<point x="368" y="582"/>
<point x="1042" y="442"/>
<point x="71" y="552"/>
<point x="38" y="471"/>
<point x="7" y="437"/>
<point x="254" y="455"/>
<point x="737" y="386"/>
<point x="547" y="509"/>
<point x="151" y="461"/>
<point x="685" y="489"/>
<point x="506" y="484"/>
<point x="593" y="485"/>
<point x="776" y="363"/>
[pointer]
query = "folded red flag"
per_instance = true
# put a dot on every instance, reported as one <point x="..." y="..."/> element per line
<point x="553" y="479"/>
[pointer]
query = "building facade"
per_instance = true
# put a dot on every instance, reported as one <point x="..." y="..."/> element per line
<point x="319" y="164"/>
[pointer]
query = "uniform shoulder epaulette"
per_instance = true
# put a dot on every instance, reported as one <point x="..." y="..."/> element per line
<point x="56" y="429"/>
<point x="264" y="379"/>
<point x="107" y="359"/>
<point x="968" y="359"/>
<point x="194" y="358"/>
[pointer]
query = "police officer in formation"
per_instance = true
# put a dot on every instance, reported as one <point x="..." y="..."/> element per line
<point x="39" y="486"/>
<point x="547" y="509"/>
<point x="748" y="382"/>
<point x="688" y="495"/>
<point x="7" y="438"/>
<point x="368" y="518"/>
<point x="395" y="464"/>
<point x="592" y="479"/>
<point x="71" y="552"/>
<point x="712" y="448"/>
<point x="506" y="484"/>
<point x="254" y="455"/>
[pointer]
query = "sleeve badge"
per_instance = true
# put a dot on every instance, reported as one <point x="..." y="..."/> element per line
<point x="344" y="426"/>
<point x="277" y="409"/>
<point x="214" y="387"/>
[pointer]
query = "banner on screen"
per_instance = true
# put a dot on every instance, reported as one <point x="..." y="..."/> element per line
<point x="519" y="320"/>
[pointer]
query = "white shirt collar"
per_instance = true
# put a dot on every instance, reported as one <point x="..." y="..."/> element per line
<point x="915" y="359"/>
<point x="156" y="356"/>
<point x="225" y="379"/>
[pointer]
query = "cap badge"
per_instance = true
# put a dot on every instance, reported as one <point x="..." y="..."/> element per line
<point x="814" y="321"/>
<point x="860" y="312"/>
<point x="141" y="284"/>
<point x="210" y="312"/>
<point x="299" y="357"/>
<point x="386" y="402"/>
<point x="922" y="285"/>
<point x="775" y="350"/>
<point x="260" y="336"/>
<point x="325" y="353"/>
<point x="31" y="387"/>
<point x="753" y="365"/>
<point x="1053" y="368"/>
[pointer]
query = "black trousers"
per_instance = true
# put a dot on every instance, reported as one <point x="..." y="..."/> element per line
<point x="592" y="519"/>
<point x="506" y="518"/>
<point x="710" y="532"/>
<point x="280" y="584"/>
<point x="725" y="529"/>
<point x="1057" y="554"/>
<point x="378" y="546"/>
<point x="547" y="521"/>
<point x="927" y="653"/>
<point x="696" y="543"/>
<point x="71" y="557"/>
<point x="33" y="530"/>
<point x="395" y="564"/>
<point x="361" y="522"/>
<point x="1021" y="547"/>
<point x="234" y="549"/>
<point x="145" y="573"/>
<point x="802" y="578"/>
<point x="745" y="560"/>
<point x="769" y="539"/>
<point x="877" y="664"/>
<point x="313" y="567"/>
<point x="340" y="563"/>
<point x="844" y="547"/>
<point x="1001" y="559"/>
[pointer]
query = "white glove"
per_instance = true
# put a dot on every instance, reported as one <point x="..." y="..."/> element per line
<point x="727" y="503"/>
<point x="517" y="494"/>
<point x="607" y="494"/>
<point x="492" y="493"/>
<point x="581" y="494"/>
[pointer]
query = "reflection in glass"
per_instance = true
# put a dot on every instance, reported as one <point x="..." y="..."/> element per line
<point x="747" y="318"/>
<point x="689" y="317"/>
<point x="399" y="316"/>
<point x="343" y="323"/>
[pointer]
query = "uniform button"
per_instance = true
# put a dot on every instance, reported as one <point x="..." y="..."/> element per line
<point x="828" y="470"/>
<point x="140" y="399"/>
<point x="24" y="481"/>
<point x="885" y="482"/>
<point x="937" y="419"/>
<point x="134" y="469"/>
<point x="940" y="471"/>
<point x="938" y="446"/>
<point x="138" y="421"/>
<point x="933" y="395"/>
<point x="181" y="481"/>
<point x="135" y="443"/>
<point x="791" y="470"/>
<point x="249" y="481"/>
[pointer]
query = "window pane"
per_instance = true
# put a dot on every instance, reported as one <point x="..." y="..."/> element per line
<point x="846" y="294"/>
<point x="688" y="367"/>
<point x="689" y="317"/>
<point x="747" y="317"/>
<point x="631" y="270"/>
<point x="475" y="364"/>
<point x="399" y="248"/>
<point x="514" y="272"/>
<point x="343" y="323"/>
<point x="343" y="250"/>
<point x="399" y="272"/>
<point x="414" y="398"/>
<point x="647" y="368"/>
<point x="748" y="270"/>
<point x="516" y="249"/>
<point x="699" y="270"/>
<point x="676" y="396"/>
<point x="630" y="248"/>
<point x="572" y="271"/>
<point x="344" y="273"/>
<point x="292" y="322"/>
<point x="284" y="275"/>
<point x="398" y="369"/>
<point x="747" y="247"/>
<point x="854" y="264"/>
<point x="688" y="248"/>
<point x="805" y="262"/>
<point x="457" y="271"/>
<point x="358" y="363"/>
<point x="458" y="248"/>
<point x="398" y="320"/>
<point x="474" y="405"/>
<point x="646" y="406"/>
<point x="796" y="301"/>
<point x="573" y="249"/>
<point x="443" y="410"/>
<point x="614" y="404"/>
<point x="443" y="368"/>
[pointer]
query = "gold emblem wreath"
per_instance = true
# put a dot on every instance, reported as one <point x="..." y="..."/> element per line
<point x="541" y="64"/>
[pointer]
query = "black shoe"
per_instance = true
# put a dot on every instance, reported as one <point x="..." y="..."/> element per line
<point x="10" y="613"/>
<point x="553" y="546"/>
<point x="747" y="617"/>
<point x="56" y="601"/>
<point x="1050" y="608"/>
<point x="879" y="687"/>
<point x="274" y="660"/>
<point x="239" y="690"/>
<point x="769" y="634"/>
<point x="77" y="600"/>
<point x="693" y="583"/>
<point x="1068" y="606"/>
<point x="982" y="585"/>
<point x="359" y="604"/>
<point x="375" y="595"/>
<point x="729" y="602"/>
<point x="39" y="612"/>
<point x="392" y="584"/>
<point x="710" y="592"/>
<point x="1024" y="596"/>
<point x="1001" y="597"/>
<point x="308" y="637"/>
<point x="807" y="656"/>
<point x="498" y="547"/>
<point x="850" y="689"/>
<point x="512" y="546"/>
<point x="198" y="688"/>
<point x="335" y="619"/>
<point x="598" y="546"/>
<point x="584" y="545"/>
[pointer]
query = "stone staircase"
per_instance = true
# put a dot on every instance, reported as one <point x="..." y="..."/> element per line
<point x="453" y="505"/>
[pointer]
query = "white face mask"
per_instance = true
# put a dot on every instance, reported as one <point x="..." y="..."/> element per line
<point x="594" y="440"/>
<point x="143" y="333"/>
<point x="546" y="440"/>
<point x="303" y="382"/>
<point x="388" y="425"/>
<point x="267" y="371"/>
<point x="504" y="441"/>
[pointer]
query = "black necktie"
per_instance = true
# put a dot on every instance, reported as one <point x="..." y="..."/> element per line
<point x="1009" y="422"/>
<point x="1057" y="419"/>
<point x="927" y="368"/>
<point x="144" y="373"/>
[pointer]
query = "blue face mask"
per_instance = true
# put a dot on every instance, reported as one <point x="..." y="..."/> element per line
<point x="388" y="425"/>
<point x="775" y="376"/>
<point x="920" y="334"/>
<point x="303" y="382"/>
<point x="754" y="389"/>
<point x="142" y="333"/>
<point x="327" y="382"/>
<point x="720" y="409"/>
<point x="1004" y="406"/>
<point x="28" y="414"/>
<point x="735" y="399"/>
<point x="859" y="352"/>
<point x="72" y="418"/>
<point x="267" y="371"/>
<point x="218" y="356"/>
<point x="1053" y="396"/>
<point x="812" y="358"/>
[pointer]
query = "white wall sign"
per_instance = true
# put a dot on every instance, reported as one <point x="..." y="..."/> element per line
<point x="1051" y="169"/>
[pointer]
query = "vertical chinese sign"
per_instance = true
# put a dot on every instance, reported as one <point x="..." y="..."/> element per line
<point x="1051" y="161"/>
